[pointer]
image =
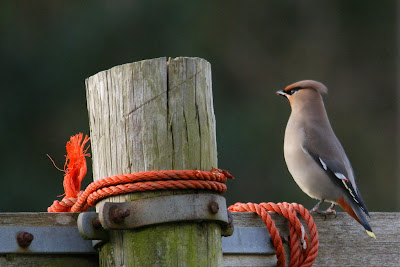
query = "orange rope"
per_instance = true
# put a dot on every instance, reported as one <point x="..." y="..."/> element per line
<point x="75" y="170"/>
<point x="303" y="255"/>
<point x="214" y="180"/>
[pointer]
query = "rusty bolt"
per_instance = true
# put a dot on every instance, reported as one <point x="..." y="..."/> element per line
<point x="96" y="223"/>
<point x="118" y="215"/>
<point x="24" y="239"/>
<point x="213" y="207"/>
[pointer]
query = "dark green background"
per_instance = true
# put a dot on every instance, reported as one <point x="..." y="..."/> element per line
<point x="48" y="48"/>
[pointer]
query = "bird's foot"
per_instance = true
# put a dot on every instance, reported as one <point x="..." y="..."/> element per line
<point x="330" y="211"/>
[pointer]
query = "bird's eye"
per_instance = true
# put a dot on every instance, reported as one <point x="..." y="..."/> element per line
<point x="294" y="90"/>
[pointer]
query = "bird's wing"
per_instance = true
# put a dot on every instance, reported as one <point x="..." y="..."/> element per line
<point x="337" y="172"/>
<point x="328" y="153"/>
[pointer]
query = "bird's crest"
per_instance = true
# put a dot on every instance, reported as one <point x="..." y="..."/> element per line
<point x="309" y="84"/>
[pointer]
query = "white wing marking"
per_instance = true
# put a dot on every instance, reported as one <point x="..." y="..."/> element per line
<point x="341" y="176"/>
<point x="323" y="164"/>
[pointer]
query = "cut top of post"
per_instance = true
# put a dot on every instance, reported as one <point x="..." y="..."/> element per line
<point x="152" y="115"/>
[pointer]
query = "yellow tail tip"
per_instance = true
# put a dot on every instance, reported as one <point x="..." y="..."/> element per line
<point x="371" y="234"/>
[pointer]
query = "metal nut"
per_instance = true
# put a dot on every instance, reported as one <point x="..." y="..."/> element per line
<point x="96" y="223"/>
<point x="118" y="215"/>
<point x="213" y="207"/>
<point x="24" y="239"/>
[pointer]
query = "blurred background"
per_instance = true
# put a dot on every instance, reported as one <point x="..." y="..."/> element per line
<point x="48" y="48"/>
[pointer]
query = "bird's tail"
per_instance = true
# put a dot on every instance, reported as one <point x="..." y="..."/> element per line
<point x="357" y="213"/>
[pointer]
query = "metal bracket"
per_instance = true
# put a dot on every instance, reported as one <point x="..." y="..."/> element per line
<point x="248" y="240"/>
<point x="151" y="211"/>
<point x="165" y="209"/>
<point x="43" y="239"/>
<point x="90" y="228"/>
<point x="66" y="240"/>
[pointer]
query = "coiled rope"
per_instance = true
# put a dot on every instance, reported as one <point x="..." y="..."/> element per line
<point x="303" y="251"/>
<point x="213" y="180"/>
<point x="75" y="170"/>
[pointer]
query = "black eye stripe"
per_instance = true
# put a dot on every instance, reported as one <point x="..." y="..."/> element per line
<point x="294" y="90"/>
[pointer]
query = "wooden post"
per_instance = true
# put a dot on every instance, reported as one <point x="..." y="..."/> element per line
<point x="155" y="115"/>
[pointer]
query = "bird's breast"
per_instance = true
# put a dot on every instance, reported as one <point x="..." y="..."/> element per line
<point x="308" y="175"/>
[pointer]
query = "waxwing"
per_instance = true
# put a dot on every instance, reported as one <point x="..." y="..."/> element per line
<point x="314" y="156"/>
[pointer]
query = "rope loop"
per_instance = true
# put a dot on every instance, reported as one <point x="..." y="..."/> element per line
<point x="213" y="180"/>
<point x="303" y="250"/>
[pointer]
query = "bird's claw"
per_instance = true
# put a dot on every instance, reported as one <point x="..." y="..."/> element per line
<point x="330" y="211"/>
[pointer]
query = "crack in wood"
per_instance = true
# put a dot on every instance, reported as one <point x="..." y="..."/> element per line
<point x="166" y="92"/>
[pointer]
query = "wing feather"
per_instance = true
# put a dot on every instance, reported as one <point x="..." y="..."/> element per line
<point x="337" y="172"/>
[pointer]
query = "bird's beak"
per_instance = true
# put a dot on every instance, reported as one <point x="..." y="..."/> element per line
<point x="281" y="92"/>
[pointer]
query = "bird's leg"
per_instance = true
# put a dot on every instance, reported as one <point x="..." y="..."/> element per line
<point x="316" y="207"/>
<point x="329" y="211"/>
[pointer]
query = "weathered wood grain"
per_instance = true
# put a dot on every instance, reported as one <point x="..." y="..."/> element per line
<point x="54" y="260"/>
<point x="154" y="115"/>
<point x="343" y="242"/>
<point x="38" y="219"/>
<point x="191" y="114"/>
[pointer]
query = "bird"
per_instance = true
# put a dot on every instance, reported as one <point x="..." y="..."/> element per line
<point x="315" y="157"/>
